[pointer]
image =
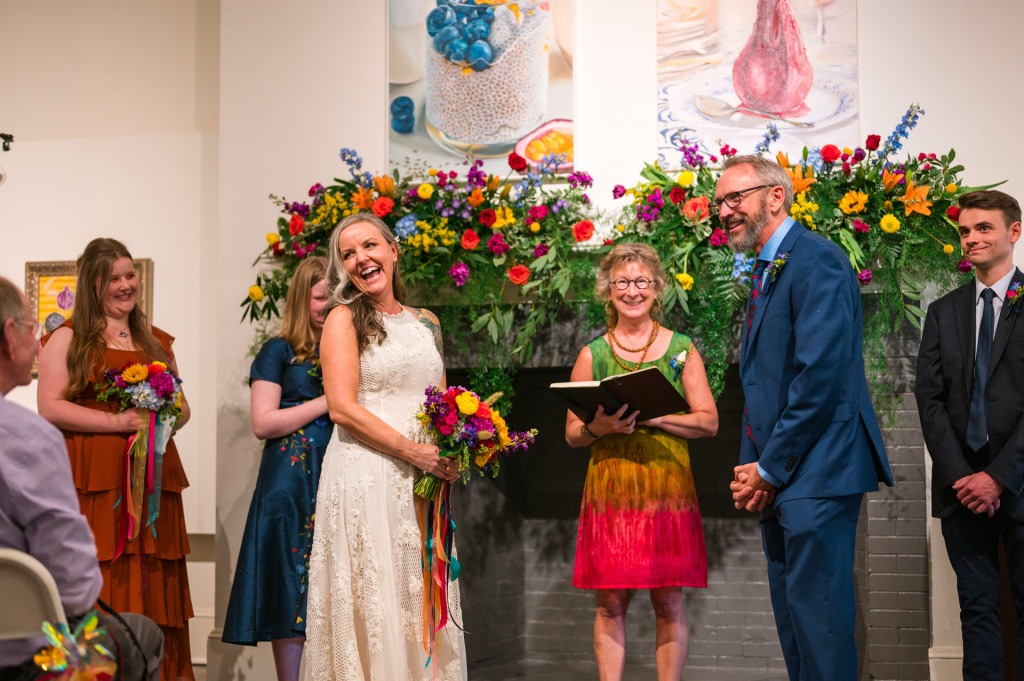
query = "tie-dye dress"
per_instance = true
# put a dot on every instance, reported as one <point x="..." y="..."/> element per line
<point x="640" y="525"/>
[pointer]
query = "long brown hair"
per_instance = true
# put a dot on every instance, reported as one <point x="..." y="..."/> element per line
<point x="85" y="354"/>
<point x="342" y="291"/>
<point x="296" y="324"/>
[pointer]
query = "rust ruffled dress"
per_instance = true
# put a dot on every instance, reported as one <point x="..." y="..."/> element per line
<point x="150" y="576"/>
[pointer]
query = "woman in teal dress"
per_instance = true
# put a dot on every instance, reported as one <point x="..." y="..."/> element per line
<point x="289" y="411"/>
<point x="640" y="526"/>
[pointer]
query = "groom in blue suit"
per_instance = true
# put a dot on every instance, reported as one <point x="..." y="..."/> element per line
<point x="810" y="446"/>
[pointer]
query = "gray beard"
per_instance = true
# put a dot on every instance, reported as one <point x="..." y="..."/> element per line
<point x="755" y="224"/>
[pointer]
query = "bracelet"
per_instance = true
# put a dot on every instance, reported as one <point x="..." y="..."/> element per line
<point x="586" y="432"/>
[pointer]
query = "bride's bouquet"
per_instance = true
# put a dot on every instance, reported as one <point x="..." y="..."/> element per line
<point x="155" y="391"/>
<point x="468" y="429"/>
<point x="471" y="431"/>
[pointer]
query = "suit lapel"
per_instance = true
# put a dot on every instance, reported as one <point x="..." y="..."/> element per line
<point x="765" y="297"/>
<point x="1007" y="318"/>
<point x="966" y="326"/>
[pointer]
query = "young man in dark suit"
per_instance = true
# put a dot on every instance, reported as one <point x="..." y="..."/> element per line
<point x="810" y="446"/>
<point x="970" y="393"/>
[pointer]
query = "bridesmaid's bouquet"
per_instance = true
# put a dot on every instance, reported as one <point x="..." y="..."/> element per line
<point x="468" y="429"/>
<point x="155" y="391"/>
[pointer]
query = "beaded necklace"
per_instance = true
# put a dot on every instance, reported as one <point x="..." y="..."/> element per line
<point x="644" y="349"/>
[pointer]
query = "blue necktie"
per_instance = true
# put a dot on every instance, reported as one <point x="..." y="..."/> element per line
<point x="755" y="290"/>
<point x="977" y="424"/>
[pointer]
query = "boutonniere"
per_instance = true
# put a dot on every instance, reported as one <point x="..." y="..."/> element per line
<point x="1013" y="296"/>
<point x="776" y="265"/>
<point x="677" y="363"/>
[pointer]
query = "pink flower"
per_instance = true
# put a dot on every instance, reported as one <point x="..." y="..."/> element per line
<point x="618" y="191"/>
<point x="861" y="226"/>
<point x="496" y="244"/>
<point x="539" y="250"/>
<point x="459" y="273"/>
<point x="538" y="213"/>
<point x="864" y="277"/>
<point x="718" y="238"/>
<point x="964" y="265"/>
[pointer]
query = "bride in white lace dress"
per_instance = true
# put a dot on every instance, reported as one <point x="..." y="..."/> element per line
<point x="365" y="609"/>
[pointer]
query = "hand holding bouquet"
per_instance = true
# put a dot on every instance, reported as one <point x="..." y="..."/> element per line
<point x="155" y="391"/>
<point x="465" y="427"/>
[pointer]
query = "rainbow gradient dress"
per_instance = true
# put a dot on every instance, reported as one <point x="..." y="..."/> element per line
<point x="640" y="525"/>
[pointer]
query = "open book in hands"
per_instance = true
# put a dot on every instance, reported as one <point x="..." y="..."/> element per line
<point x="646" y="390"/>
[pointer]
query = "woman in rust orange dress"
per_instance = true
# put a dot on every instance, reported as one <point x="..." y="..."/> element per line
<point x="107" y="330"/>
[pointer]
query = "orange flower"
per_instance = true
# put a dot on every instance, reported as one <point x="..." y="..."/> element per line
<point x="476" y="198"/>
<point x="801" y="183"/>
<point x="362" y="199"/>
<point x="915" y="200"/>
<point x="383" y="206"/>
<point x="385" y="185"/>
<point x="470" y="240"/>
<point x="492" y="182"/>
<point x="783" y="159"/>
<point x="519" y="275"/>
<point x="583" y="230"/>
<point x="696" y="208"/>
<point x="889" y="180"/>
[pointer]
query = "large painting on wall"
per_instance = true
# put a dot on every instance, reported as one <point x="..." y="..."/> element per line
<point x="481" y="79"/>
<point x="727" y="68"/>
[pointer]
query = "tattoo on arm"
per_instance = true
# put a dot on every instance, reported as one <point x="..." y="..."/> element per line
<point x="429" y="320"/>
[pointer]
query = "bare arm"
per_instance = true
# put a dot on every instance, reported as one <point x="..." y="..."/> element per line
<point x="622" y="421"/>
<point x="269" y="420"/>
<point x="53" y="379"/>
<point x="702" y="419"/>
<point x="339" y="356"/>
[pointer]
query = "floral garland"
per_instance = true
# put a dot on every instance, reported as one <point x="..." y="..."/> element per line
<point x="506" y="254"/>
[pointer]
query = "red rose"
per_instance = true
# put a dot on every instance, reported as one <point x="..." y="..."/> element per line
<point x="953" y="212"/>
<point x="278" y="250"/>
<point x="516" y="162"/>
<point x="677" y="195"/>
<point x="487" y="217"/>
<point x="382" y="206"/>
<point x="483" y="411"/>
<point x="470" y="240"/>
<point x="155" y="368"/>
<point x="872" y="142"/>
<point x="697" y="208"/>
<point x="830" y="153"/>
<point x="519" y="275"/>
<point x="609" y="242"/>
<point x="296" y="225"/>
<point x="583" y="230"/>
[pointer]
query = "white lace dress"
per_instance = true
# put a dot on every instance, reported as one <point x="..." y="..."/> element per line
<point x="365" y="612"/>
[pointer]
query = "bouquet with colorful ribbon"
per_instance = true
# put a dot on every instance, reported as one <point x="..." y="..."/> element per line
<point x="155" y="391"/>
<point x="472" y="432"/>
<point x="78" y="655"/>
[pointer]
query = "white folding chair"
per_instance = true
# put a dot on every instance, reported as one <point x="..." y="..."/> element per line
<point x="28" y="596"/>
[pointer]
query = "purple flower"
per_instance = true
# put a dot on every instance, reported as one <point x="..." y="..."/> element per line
<point x="618" y="191"/>
<point x="459" y="273"/>
<point x="110" y="374"/>
<point x="965" y="266"/>
<point x="539" y="250"/>
<point x="859" y="155"/>
<point x="162" y="384"/>
<point x="864" y="277"/>
<point x="119" y="382"/>
<point x="581" y="179"/>
<point x="496" y="244"/>
<point x="560" y="203"/>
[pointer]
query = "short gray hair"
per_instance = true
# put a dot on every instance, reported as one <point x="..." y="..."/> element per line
<point x="768" y="171"/>
<point x="12" y="303"/>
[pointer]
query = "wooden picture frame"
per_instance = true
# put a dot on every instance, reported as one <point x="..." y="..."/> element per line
<point x="50" y="288"/>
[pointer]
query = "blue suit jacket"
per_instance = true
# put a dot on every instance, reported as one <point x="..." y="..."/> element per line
<point x="809" y="421"/>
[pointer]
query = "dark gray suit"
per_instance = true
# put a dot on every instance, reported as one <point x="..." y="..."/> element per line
<point x="945" y="380"/>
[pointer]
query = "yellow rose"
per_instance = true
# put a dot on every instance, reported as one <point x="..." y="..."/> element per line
<point x="535" y="227"/>
<point x="951" y="188"/>
<point x="686" y="178"/>
<point x="685" y="280"/>
<point x="889" y="224"/>
<point x="620" y="228"/>
<point x="432" y="172"/>
<point x="273" y="238"/>
<point x="481" y="460"/>
<point x="947" y="249"/>
<point x="425" y="191"/>
<point x="848" y="151"/>
<point x="467" y="403"/>
<point x="255" y="293"/>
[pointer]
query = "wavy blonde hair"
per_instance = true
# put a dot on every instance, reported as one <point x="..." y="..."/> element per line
<point x="342" y="291"/>
<point x="624" y="253"/>
<point x="296" y="323"/>
<point x="85" y="354"/>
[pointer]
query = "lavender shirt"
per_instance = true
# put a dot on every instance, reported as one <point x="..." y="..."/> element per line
<point x="40" y="515"/>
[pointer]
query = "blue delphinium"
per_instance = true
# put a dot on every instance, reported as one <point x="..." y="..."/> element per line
<point x="406" y="226"/>
<point x="908" y="123"/>
<point x="741" y="267"/>
<point x="771" y="135"/>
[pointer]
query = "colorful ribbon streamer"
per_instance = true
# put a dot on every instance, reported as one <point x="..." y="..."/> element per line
<point x="440" y="566"/>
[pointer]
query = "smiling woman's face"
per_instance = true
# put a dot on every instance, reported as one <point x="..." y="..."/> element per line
<point x="368" y="258"/>
<point x="632" y="302"/>
<point x="121" y="289"/>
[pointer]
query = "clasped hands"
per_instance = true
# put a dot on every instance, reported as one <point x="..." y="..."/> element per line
<point x="749" y="490"/>
<point x="979" y="492"/>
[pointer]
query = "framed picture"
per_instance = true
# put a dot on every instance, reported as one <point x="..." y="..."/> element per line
<point x="50" y="287"/>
